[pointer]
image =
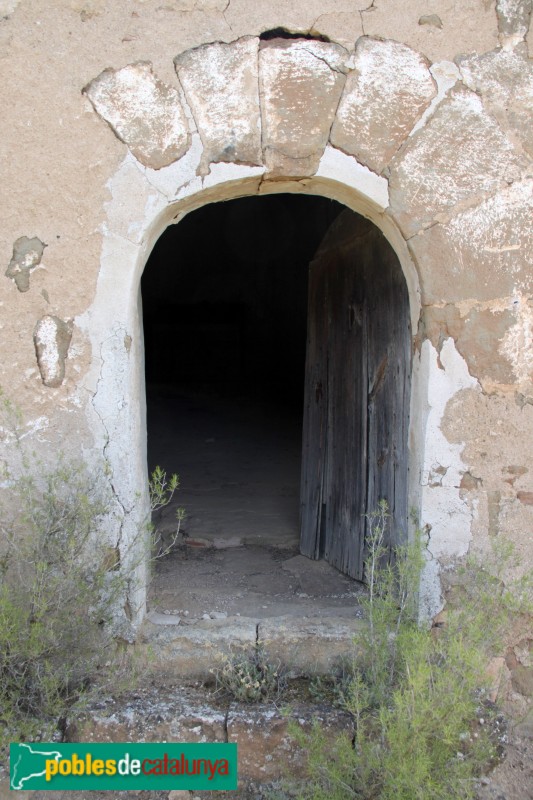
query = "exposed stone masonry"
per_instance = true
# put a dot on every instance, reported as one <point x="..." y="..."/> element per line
<point x="446" y="174"/>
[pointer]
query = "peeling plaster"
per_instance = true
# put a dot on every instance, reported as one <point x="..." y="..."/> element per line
<point x="448" y="515"/>
<point x="445" y="74"/>
<point x="517" y="345"/>
<point x="27" y="255"/>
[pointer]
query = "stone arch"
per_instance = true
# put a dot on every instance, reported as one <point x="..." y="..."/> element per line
<point x="281" y="115"/>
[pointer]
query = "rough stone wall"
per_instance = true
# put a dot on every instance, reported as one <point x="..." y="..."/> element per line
<point x="430" y="106"/>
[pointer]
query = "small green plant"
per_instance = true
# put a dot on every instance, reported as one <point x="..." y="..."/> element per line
<point x="162" y="490"/>
<point x="333" y="688"/>
<point x="416" y="698"/>
<point x="250" y="677"/>
<point x="62" y="589"/>
<point x="57" y="591"/>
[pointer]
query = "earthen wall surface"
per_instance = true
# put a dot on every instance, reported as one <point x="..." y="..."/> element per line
<point x="118" y="117"/>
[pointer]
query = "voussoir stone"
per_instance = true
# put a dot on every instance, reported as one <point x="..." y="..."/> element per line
<point x="457" y="159"/>
<point x="385" y="94"/>
<point x="300" y="84"/>
<point x="483" y="252"/>
<point x="504" y="79"/>
<point x="51" y="338"/>
<point x="145" y="113"/>
<point x="220" y="82"/>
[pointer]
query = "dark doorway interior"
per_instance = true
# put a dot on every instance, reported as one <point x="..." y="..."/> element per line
<point x="278" y="345"/>
<point x="225" y="317"/>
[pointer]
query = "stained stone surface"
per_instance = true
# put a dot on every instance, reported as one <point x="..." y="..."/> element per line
<point x="52" y="339"/>
<point x="266" y="748"/>
<point x="151" y="714"/>
<point x="193" y="651"/>
<point x="300" y="84"/>
<point x="160" y="714"/>
<point x="483" y="252"/>
<point x="504" y="79"/>
<point x="27" y="254"/>
<point x="385" y="94"/>
<point x="513" y="17"/>
<point x="221" y="85"/>
<point x="304" y="644"/>
<point x="460" y="156"/>
<point x="144" y="113"/>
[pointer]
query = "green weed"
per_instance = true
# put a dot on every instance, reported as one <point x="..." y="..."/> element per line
<point x="417" y="697"/>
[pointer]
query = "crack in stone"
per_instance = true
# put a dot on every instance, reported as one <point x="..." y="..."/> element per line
<point x="322" y="58"/>
<point x="363" y="11"/>
<point x="224" y="16"/>
<point x="226" y="717"/>
<point x="462" y="206"/>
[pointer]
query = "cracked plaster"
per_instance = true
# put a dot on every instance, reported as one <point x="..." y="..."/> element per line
<point x="139" y="202"/>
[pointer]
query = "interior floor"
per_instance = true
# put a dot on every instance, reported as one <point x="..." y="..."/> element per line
<point x="239" y="467"/>
<point x="238" y="549"/>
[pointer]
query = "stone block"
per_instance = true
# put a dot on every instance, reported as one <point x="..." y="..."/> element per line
<point x="483" y="252"/>
<point x="149" y="715"/>
<point x="196" y="650"/>
<point x="266" y="749"/>
<point x="309" y="645"/>
<point x="385" y="94"/>
<point x="51" y="338"/>
<point x="300" y="83"/>
<point x="504" y="79"/>
<point x="459" y="157"/>
<point x="220" y="82"/>
<point x="143" y="112"/>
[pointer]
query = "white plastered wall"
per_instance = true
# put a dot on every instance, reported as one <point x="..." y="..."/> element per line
<point x="143" y="202"/>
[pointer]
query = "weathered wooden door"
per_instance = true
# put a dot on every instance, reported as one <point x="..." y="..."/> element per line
<point x="357" y="389"/>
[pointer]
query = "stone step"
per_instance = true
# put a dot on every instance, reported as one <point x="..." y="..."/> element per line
<point x="266" y="750"/>
<point x="302" y="645"/>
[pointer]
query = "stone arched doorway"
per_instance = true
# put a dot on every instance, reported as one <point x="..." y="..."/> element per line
<point x="180" y="160"/>
<point x="278" y="345"/>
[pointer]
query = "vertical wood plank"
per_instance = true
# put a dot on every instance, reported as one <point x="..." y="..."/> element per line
<point x="357" y="394"/>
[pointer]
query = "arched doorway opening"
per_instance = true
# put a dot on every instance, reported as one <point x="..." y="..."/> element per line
<point x="278" y="347"/>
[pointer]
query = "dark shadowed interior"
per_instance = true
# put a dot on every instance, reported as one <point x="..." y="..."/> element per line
<point x="225" y="314"/>
<point x="278" y="351"/>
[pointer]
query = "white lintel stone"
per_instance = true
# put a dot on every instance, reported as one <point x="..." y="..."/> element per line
<point x="52" y="339"/>
<point x="458" y="158"/>
<point x="385" y="94"/>
<point x="300" y="82"/>
<point x="145" y="113"/>
<point x="221" y="85"/>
